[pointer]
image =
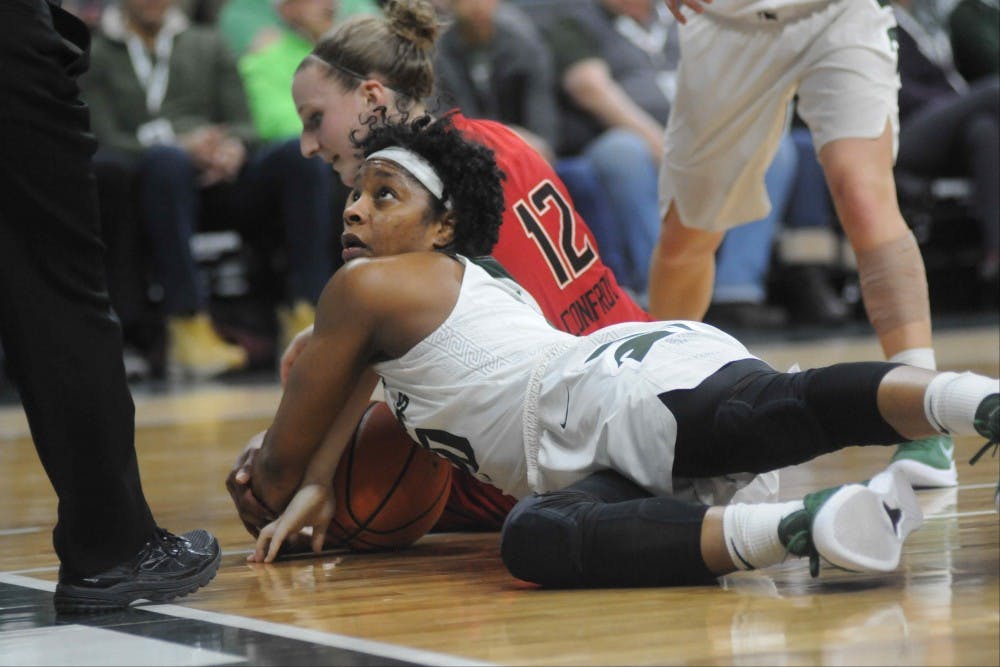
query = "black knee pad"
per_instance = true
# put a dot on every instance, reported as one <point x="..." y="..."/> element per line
<point x="783" y="419"/>
<point x="539" y="542"/>
<point x="571" y="538"/>
<point x="784" y="430"/>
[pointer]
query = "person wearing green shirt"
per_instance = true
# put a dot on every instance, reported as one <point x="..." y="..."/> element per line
<point x="267" y="73"/>
<point x="245" y="24"/>
<point x="267" y="70"/>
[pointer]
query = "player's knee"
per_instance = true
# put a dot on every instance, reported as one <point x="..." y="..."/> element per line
<point x="537" y="539"/>
<point x="682" y="245"/>
<point x="866" y="203"/>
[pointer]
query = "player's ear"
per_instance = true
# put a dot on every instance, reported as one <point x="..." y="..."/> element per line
<point x="374" y="92"/>
<point x="444" y="235"/>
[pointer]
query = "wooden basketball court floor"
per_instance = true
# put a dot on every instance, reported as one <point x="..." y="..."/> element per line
<point x="449" y="601"/>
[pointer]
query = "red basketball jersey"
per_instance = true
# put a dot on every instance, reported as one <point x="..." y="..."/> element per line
<point x="545" y="244"/>
<point x="549" y="250"/>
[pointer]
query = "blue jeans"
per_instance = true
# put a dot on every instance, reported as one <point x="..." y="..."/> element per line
<point x="743" y="258"/>
<point x="810" y="204"/>
<point x="277" y="183"/>
<point x="629" y="176"/>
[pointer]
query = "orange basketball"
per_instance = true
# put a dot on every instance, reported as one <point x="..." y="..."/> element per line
<point x="389" y="490"/>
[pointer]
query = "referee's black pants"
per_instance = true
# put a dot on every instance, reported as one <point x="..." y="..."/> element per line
<point x="57" y="328"/>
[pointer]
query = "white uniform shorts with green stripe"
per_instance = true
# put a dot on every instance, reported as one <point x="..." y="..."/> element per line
<point x="596" y="406"/>
<point x="736" y="80"/>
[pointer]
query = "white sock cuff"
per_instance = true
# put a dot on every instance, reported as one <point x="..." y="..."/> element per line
<point x="951" y="401"/>
<point x="751" y="533"/>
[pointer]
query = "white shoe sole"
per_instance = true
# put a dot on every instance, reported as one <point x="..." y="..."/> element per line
<point x="897" y="493"/>
<point x="854" y="530"/>
<point x="922" y="476"/>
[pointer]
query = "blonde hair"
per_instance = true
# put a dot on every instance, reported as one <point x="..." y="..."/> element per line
<point x="396" y="48"/>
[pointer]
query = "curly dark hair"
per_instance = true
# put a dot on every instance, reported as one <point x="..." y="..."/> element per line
<point x="468" y="170"/>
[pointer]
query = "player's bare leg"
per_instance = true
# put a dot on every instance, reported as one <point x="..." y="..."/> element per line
<point x="682" y="270"/>
<point x="892" y="276"/>
<point x="859" y="173"/>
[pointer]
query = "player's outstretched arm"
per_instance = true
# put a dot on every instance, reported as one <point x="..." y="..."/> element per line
<point x="320" y="384"/>
<point x="371" y="309"/>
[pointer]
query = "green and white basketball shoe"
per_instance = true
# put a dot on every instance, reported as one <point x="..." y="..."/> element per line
<point x="857" y="527"/>
<point x="927" y="463"/>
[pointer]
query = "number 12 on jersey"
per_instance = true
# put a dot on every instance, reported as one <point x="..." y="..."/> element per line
<point x="569" y="264"/>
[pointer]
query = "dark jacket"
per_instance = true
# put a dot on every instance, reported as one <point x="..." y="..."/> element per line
<point x="204" y="86"/>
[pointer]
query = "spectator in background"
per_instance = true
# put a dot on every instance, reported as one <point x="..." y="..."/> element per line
<point x="491" y="63"/>
<point x="167" y="99"/>
<point x="203" y="12"/>
<point x="246" y="25"/>
<point x="88" y="11"/>
<point x="974" y="28"/>
<point x="267" y="70"/>
<point x="267" y="73"/>
<point x="949" y="127"/>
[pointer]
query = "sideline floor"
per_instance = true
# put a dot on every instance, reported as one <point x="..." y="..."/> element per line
<point x="448" y="600"/>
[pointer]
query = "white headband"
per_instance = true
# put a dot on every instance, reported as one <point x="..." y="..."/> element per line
<point x="418" y="167"/>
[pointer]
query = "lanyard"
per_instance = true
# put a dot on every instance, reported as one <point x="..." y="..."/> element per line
<point x="153" y="79"/>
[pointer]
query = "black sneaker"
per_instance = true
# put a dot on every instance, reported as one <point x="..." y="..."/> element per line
<point x="165" y="568"/>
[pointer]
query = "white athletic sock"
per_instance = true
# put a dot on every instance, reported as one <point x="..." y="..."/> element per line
<point x="951" y="400"/>
<point x="916" y="356"/>
<point x="751" y="533"/>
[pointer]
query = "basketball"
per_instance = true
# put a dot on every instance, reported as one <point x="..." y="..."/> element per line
<point x="389" y="491"/>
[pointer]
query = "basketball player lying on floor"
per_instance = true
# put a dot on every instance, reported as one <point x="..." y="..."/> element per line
<point x="678" y="408"/>
<point x="386" y="62"/>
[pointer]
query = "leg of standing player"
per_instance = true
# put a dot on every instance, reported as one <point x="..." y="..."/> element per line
<point x="849" y="102"/>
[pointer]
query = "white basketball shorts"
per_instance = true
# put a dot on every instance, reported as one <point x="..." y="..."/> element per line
<point x="736" y="80"/>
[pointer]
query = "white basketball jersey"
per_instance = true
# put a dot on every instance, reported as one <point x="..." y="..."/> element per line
<point x="460" y="391"/>
<point x="526" y="407"/>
